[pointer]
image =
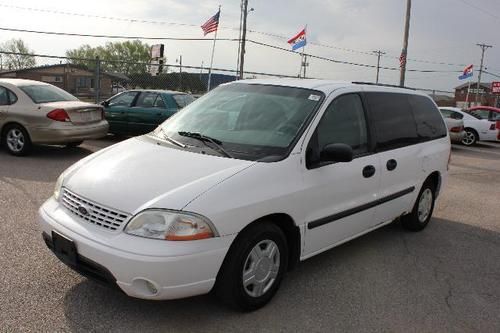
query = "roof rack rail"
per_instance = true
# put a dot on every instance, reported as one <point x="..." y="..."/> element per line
<point x="382" y="85"/>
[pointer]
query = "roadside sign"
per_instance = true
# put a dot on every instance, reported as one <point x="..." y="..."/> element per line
<point x="495" y="87"/>
<point x="157" y="51"/>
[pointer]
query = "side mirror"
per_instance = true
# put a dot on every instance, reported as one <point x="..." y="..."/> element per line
<point x="337" y="152"/>
<point x="105" y="104"/>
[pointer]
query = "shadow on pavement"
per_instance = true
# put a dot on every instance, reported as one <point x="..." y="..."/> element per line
<point x="442" y="279"/>
<point x="45" y="163"/>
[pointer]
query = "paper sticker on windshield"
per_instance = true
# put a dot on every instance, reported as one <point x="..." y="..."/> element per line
<point x="315" y="98"/>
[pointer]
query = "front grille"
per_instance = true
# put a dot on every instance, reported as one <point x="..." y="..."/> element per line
<point x="96" y="214"/>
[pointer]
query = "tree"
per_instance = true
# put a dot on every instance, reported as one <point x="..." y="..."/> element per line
<point x="129" y="57"/>
<point x="19" y="56"/>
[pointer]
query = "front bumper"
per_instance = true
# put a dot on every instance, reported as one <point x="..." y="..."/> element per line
<point x="68" y="132"/>
<point x="134" y="264"/>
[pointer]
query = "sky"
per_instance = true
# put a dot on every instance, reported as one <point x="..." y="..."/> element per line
<point x="441" y="31"/>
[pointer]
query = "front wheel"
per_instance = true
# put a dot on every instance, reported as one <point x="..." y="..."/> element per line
<point x="422" y="211"/>
<point x="254" y="267"/>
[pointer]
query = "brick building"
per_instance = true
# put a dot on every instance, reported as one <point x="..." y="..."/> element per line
<point x="486" y="97"/>
<point x="75" y="79"/>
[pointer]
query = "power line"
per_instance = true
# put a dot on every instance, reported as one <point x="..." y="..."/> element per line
<point x="134" y="20"/>
<point x="484" y="11"/>
<point x="113" y="36"/>
<point x="222" y="39"/>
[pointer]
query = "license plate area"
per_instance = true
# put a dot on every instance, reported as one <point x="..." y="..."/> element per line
<point x="64" y="249"/>
<point x="85" y="116"/>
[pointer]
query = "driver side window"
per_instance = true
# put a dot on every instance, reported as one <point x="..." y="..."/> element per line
<point x="125" y="99"/>
<point x="344" y="122"/>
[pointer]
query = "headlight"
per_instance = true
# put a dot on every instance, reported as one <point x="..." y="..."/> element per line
<point x="170" y="225"/>
<point x="59" y="183"/>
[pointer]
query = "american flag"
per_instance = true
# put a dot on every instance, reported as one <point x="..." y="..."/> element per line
<point x="212" y="24"/>
<point x="402" y="59"/>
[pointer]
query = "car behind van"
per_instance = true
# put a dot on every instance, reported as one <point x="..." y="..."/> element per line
<point x="237" y="188"/>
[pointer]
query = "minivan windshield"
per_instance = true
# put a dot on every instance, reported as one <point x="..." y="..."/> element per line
<point x="45" y="93"/>
<point x="250" y="121"/>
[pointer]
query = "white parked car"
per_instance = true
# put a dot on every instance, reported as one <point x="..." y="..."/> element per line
<point x="476" y="128"/>
<point x="229" y="196"/>
<point x="455" y="126"/>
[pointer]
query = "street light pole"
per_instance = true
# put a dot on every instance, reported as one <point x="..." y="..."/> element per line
<point x="379" y="54"/>
<point x="483" y="47"/>
<point x="404" y="52"/>
<point x="243" y="37"/>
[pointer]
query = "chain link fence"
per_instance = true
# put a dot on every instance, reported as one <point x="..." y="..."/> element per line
<point x="95" y="80"/>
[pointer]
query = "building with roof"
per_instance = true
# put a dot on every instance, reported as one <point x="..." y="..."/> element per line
<point x="75" y="79"/>
<point x="486" y="97"/>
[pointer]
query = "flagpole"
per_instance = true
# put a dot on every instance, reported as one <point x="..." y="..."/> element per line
<point x="467" y="98"/>
<point x="302" y="59"/>
<point x="212" y="58"/>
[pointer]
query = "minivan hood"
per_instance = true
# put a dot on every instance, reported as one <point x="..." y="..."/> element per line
<point x="138" y="173"/>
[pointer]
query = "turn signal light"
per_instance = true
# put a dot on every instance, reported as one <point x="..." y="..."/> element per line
<point x="58" y="115"/>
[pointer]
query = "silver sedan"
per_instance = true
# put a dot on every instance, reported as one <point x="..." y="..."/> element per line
<point x="33" y="112"/>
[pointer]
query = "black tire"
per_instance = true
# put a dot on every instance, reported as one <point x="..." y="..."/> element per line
<point x="22" y="146"/>
<point x="417" y="221"/>
<point x="73" y="144"/>
<point x="471" y="137"/>
<point x="229" y="286"/>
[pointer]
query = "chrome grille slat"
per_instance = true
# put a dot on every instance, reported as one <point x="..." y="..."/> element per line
<point x="98" y="215"/>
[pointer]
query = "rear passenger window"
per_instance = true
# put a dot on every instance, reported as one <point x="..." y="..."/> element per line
<point x="430" y="124"/>
<point x="4" y="99"/>
<point x="393" y="120"/>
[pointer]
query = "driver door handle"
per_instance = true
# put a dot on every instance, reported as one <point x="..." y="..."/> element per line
<point x="368" y="171"/>
<point x="391" y="164"/>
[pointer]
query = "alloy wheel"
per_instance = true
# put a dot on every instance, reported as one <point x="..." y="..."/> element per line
<point x="469" y="138"/>
<point x="15" y="140"/>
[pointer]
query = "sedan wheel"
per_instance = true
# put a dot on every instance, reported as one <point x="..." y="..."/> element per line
<point x="470" y="138"/>
<point x="17" y="140"/>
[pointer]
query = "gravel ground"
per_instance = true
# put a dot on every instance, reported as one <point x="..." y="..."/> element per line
<point x="445" y="278"/>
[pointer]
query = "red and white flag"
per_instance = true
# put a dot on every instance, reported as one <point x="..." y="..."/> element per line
<point x="212" y="24"/>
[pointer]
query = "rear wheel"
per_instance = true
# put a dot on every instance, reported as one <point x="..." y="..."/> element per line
<point x="470" y="137"/>
<point x="254" y="267"/>
<point x="16" y="139"/>
<point x="422" y="211"/>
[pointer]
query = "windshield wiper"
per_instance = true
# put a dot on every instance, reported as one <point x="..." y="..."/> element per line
<point x="204" y="139"/>
<point x="169" y="139"/>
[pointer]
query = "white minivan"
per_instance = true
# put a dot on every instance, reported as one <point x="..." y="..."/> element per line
<point x="248" y="180"/>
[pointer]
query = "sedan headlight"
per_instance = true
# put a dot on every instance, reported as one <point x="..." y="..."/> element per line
<point x="170" y="225"/>
<point x="57" y="188"/>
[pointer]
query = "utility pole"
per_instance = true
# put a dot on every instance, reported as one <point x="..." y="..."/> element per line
<point x="483" y="47"/>
<point x="239" y="41"/>
<point x="379" y="54"/>
<point x="404" y="52"/>
<point x="180" y="72"/>
<point x="243" y="36"/>
<point x="305" y="64"/>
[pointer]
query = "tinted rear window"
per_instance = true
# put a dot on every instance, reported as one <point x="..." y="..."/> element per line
<point x="393" y="120"/>
<point x="429" y="122"/>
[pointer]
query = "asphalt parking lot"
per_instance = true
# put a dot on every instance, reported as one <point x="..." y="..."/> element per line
<point x="445" y="278"/>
